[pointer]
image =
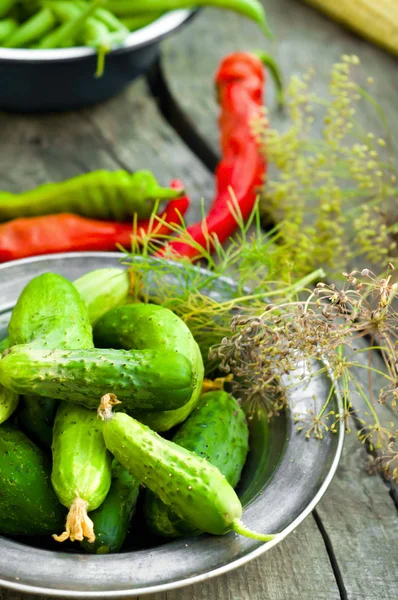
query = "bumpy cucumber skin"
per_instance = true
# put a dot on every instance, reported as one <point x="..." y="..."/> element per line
<point x="216" y="431"/>
<point x="142" y="326"/>
<point x="140" y="378"/>
<point x="102" y="290"/>
<point x="51" y="311"/>
<point x="8" y="403"/>
<point x="28" y="504"/>
<point x="111" y="520"/>
<point x="197" y="490"/>
<point x="36" y="415"/>
<point x="81" y="462"/>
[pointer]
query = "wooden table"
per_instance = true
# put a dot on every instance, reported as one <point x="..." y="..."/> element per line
<point x="348" y="547"/>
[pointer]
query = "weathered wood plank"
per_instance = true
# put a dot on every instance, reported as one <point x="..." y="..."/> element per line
<point x="125" y="133"/>
<point x="303" y="38"/>
<point x="362" y="524"/>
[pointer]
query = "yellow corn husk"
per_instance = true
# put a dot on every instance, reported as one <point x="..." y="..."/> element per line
<point x="376" y="20"/>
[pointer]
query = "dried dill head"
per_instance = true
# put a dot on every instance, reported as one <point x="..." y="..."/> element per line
<point x="262" y="349"/>
<point x="332" y="185"/>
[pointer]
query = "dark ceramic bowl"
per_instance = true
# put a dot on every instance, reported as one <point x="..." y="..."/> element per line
<point x="58" y="80"/>
<point x="284" y="478"/>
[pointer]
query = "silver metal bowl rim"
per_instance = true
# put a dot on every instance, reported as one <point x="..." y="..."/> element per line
<point x="142" y="37"/>
<point x="215" y="572"/>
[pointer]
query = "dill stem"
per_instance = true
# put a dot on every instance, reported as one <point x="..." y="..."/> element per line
<point x="369" y="404"/>
<point x="332" y="388"/>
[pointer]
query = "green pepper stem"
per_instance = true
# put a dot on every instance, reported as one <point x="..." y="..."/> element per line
<point x="240" y="528"/>
<point x="161" y="193"/>
<point x="276" y="73"/>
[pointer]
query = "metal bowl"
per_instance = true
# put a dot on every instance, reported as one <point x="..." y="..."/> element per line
<point x="57" y="80"/>
<point x="285" y="477"/>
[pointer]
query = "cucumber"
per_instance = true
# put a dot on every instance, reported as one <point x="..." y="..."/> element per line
<point x="216" y="431"/>
<point x="146" y="326"/>
<point x="196" y="490"/>
<point x="36" y="416"/>
<point x="111" y="520"/>
<point x="142" y="378"/>
<point x="50" y="312"/>
<point x="82" y="468"/>
<point x="28" y="504"/>
<point x="101" y="290"/>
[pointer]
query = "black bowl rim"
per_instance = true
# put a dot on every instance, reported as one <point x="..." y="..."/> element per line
<point x="150" y="34"/>
<point x="235" y="563"/>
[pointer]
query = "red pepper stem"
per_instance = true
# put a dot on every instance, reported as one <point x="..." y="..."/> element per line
<point x="276" y="73"/>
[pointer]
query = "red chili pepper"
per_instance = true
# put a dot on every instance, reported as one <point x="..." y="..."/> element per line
<point x="68" y="233"/>
<point x="240" y="84"/>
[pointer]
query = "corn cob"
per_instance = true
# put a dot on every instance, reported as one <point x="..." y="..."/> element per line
<point x="375" y="20"/>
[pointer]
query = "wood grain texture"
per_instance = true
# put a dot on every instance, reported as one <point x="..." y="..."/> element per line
<point x="297" y="568"/>
<point x="126" y="132"/>
<point x="303" y="38"/>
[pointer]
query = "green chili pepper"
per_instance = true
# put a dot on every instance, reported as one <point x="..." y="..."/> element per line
<point x="134" y="23"/>
<point x="252" y="9"/>
<point x="6" y="6"/>
<point x="101" y="194"/>
<point x="7" y="28"/>
<point x="32" y="30"/>
<point x="70" y="29"/>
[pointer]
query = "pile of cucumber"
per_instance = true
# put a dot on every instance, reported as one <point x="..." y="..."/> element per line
<point x="88" y="381"/>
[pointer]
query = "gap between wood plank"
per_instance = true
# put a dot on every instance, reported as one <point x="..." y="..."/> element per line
<point x="177" y="118"/>
<point x="332" y="556"/>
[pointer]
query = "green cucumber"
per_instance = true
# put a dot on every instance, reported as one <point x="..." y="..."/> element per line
<point x="142" y="378"/>
<point x="216" y="431"/>
<point x="111" y="520"/>
<point x="101" y="290"/>
<point x="82" y="468"/>
<point x="149" y="326"/>
<point x="196" y="490"/>
<point x="51" y="312"/>
<point x="28" y="504"/>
